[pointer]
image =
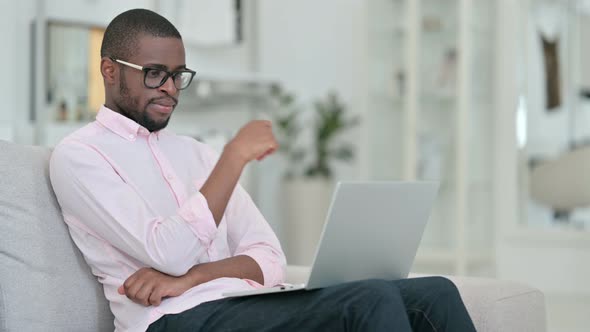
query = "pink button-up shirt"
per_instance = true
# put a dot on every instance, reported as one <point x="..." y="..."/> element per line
<point x="131" y="199"/>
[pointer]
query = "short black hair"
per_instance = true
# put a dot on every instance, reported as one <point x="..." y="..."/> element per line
<point x="121" y="36"/>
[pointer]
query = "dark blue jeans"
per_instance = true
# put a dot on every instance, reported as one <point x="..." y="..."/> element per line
<point x="420" y="304"/>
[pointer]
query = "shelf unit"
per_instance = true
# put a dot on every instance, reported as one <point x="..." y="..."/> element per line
<point x="429" y="117"/>
<point x="531" y="249"/>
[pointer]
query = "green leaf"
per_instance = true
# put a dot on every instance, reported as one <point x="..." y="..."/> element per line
<point x="345" y="153"/>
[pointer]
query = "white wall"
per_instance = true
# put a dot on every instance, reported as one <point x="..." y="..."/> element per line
<point x="8" y="58"/>
<point x="97" y="12"/>
<point x="317" y="47"/>
<point x="312" y="47"/>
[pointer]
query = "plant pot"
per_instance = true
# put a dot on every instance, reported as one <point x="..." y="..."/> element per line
<point x="305" y="205"/>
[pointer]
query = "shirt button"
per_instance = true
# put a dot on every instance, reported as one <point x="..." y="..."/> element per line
<point x="131" y="136"/>
<point x="170" y="177"/>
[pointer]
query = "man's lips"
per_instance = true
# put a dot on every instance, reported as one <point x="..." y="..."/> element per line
<point x="164" y="102"/>
<point x="164" y="105"/>
<point x="162" y="109"/>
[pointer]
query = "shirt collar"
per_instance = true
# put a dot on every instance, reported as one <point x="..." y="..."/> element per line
<point x="120" y="124"/>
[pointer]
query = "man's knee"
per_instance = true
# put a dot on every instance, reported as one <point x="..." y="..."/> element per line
<point x="372" y="303"/>
<point x="444" y="284"/>
<point x="375" y="291"/>
<point x="374" y="286"/>
<point x="444" y="288"/>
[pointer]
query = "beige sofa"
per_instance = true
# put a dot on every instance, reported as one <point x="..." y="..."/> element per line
<point x="45" y="285"/>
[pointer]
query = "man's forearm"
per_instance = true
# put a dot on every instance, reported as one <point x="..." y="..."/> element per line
<point x="221" y="183"/>
<point x="148" y="286"/>
<point x="241" y="266"/>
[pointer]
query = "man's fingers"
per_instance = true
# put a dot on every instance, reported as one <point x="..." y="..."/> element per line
<point x="149" y="287"/>
<point x="143" y="295"/>
<point x="130" y="282"/>
<point x="155" y="298"/>
<point x="133" y="289"/>
<point x="270" y="150"/>
<point x="265" y="154"/>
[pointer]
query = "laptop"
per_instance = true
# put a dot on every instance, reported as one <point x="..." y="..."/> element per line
<point x="372" y="230"/>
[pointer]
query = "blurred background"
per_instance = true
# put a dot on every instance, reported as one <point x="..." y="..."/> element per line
<point x="489" y="97"/>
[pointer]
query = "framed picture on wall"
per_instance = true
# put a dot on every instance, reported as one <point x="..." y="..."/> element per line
<point x="205" y="22"/>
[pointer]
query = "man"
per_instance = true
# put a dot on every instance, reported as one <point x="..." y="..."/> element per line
<point x="164" y="226"/>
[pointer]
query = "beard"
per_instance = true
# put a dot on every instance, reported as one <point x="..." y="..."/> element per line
<point x="129" y="107"/>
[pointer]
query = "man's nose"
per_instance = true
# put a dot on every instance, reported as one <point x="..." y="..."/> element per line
<point x="169" y="86"/>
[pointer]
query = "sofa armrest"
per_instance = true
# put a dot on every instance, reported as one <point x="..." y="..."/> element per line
<point x="497" y="305"/>
<point x="494" y="305"/>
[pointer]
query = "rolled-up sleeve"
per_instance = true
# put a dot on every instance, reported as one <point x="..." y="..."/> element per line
<point x="250" y="234"/>
<point x="195" y="211"/>
<point x="91" y="192"/>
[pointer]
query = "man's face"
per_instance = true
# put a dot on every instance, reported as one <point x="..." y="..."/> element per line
<point x="151" y="108"/>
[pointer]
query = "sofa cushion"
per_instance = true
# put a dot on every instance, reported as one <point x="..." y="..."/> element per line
<point x="45" y="285"/>
<point x="501" y="305"/>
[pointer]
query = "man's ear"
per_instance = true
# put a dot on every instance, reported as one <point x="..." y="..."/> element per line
<point x="108" y="69"/>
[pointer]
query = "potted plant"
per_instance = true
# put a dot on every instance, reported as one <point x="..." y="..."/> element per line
<point x="330" y="121"/>
<point x="308" y="180"/>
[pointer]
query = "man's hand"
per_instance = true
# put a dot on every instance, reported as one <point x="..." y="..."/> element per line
<point x="254" y="141"/>
<point x="148" y="286"/>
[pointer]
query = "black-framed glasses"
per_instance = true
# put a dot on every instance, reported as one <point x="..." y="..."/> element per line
<point x="154" y="78"/>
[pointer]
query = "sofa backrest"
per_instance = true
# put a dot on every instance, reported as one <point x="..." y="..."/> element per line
<point x="45" y="284"/>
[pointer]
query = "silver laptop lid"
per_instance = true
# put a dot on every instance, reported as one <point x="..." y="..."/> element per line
<point x="373" y="230"/>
